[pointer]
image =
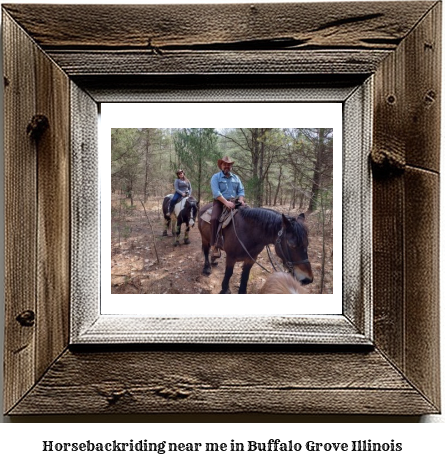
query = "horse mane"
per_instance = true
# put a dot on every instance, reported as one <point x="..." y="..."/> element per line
<point x="272" y="220"/>
<point x="281" y="283"/>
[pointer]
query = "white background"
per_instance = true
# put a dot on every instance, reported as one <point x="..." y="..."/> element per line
<point x="21" y="442"/>
<point x="218" y="115"/>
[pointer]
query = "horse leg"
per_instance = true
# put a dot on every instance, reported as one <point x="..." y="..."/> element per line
<point x="186" y="235"/>
<point x="166" y="226"/>
<point x="245" y="277"/>
<point x="207" y="268"/>
<point x="227" y="275"/>
<point x="178" y="233"/>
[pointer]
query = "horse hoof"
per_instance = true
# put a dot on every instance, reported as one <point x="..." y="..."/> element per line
<point x="207" y="271"/>
<point x="225" y="292"/>
<point x="165" y="233"/>
<point x="175" y="244"/>
<point x="186" y="241"/>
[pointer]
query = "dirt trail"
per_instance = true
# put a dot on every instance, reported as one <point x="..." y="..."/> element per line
<point x="134" y="267"/>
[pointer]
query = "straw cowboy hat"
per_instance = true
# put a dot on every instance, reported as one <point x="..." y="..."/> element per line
<point x="225" y="159"/>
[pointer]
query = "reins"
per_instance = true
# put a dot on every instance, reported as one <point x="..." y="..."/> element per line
<point x="244" y="247"/>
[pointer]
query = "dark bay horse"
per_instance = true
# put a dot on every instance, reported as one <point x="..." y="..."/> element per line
<point x="184" y="213"/>
<point x="256" y="228"/>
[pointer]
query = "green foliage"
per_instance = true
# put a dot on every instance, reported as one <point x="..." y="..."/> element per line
<point x="292" y="165"/>
<point x="197" y="154"/>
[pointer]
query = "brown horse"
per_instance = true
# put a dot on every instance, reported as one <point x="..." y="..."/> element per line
<point x="247" y="235"/>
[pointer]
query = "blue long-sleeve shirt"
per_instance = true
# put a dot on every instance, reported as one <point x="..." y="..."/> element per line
<point x="182" y="186"/>
<point x="228" y="187"/>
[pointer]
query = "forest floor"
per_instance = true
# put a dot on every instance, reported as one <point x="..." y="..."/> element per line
<point x="137" y="243"/>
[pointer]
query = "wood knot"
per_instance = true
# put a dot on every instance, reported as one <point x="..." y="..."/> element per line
<point x="37" y="126"/>
<point x="26" y="318"/>
<point x="172" y="393"/>
<point x="391" y="99"/>
<point x="113" y="396"/>
<point x="430" y="97"/>
<point x="387" y="163"/>
<point x="5" y="81"/>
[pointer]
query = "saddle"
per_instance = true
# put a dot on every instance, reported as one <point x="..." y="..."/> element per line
<point x="224" y="219"/>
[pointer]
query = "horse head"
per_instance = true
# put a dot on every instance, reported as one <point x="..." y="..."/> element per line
<point x="291" y="247"/>
<point x="192" y="206"/>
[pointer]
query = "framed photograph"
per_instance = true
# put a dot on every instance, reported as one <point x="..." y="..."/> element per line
<point x="92" y="284"/>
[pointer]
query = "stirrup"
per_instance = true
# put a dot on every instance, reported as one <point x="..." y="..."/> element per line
<point x="215" y="252"/>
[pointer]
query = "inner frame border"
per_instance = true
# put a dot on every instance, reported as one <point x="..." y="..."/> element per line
<point x="354" y="326"/>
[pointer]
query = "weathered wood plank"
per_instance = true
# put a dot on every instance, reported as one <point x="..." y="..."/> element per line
<point x="407" y="132"/>
<point x="388" y="202"/>
<point x="221" y="382"/>
<point x="53" y="236"/>
<point x="365" y="25"/>
<point x="20" y="213"/>
<point x="423" y="92"/>
<point x="401" y="377"/>
<point x="77" y="63"/>
<point x="422" y="281"/>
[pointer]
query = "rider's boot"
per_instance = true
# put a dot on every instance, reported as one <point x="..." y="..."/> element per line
<point x="215" y="252"/>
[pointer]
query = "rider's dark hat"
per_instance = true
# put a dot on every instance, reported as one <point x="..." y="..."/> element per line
<point x="179" y="172"/>
<point x="225" y="159"/>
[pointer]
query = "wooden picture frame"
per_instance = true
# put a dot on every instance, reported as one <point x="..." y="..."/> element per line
<point x="56" y="72"/>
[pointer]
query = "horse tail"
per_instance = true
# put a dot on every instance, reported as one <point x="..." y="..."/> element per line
<point x="281" y="283"/>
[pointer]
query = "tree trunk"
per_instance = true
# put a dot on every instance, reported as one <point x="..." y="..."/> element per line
<point x="278" y="186"/>
<point x="147" y="164"/>
<point x="317" y="170"/>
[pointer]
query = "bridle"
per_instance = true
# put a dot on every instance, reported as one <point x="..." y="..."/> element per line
<point x="193" y="207"/>
<point x="287" y="262"/>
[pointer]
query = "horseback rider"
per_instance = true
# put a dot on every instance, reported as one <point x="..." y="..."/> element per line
<point x="183" y="188"/>
<point x="225" y="186"/>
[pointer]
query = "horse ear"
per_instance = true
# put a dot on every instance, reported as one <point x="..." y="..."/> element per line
<point x="286" y="222"/>
<point x="301" y="216"/>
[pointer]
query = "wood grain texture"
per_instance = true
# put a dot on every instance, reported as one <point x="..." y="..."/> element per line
<point x="159" y="27"/>
<point x="388" y="202"/>
<point x="223" y="382"/>
<point x="20" y="212"/>
<point x="397" y="41"/>
<point x="53" y="194"/>
<point x="37" y="214"/>
<point x="407" y="133"/>
<point x="423" y="91"/>
<point x="79" y="63"/>
<point x="422" y="281"/>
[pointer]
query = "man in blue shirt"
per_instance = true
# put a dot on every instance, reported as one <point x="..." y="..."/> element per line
<point x="225" y="186"/>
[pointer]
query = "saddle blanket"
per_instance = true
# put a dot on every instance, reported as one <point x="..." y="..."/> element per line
<point x="207" y="215"/>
